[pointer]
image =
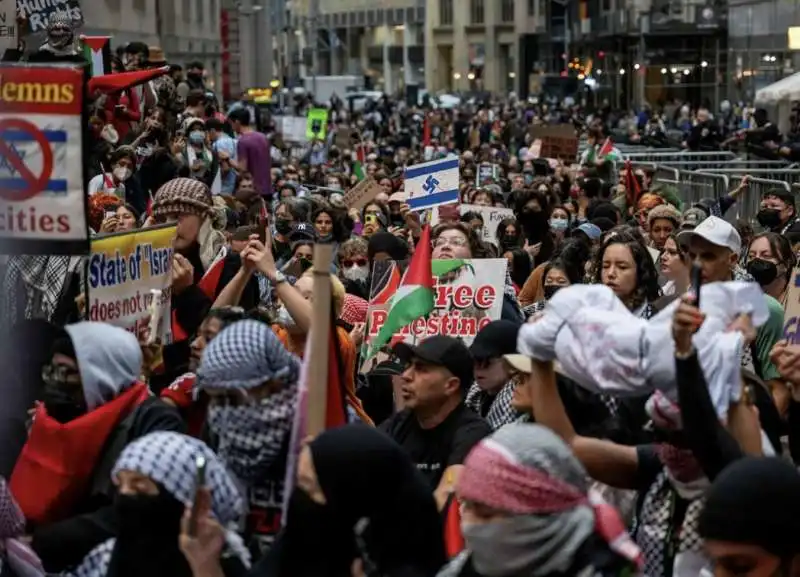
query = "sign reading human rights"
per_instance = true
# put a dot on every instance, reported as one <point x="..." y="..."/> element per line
<point x="466" y="298"/>
<point x="42" y="200"/>
<point x="124" y="272"/>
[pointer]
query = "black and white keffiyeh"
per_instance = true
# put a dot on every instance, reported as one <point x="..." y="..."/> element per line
<point x="251" y="434"/>
<point x="500" y="412"/>
<point x="33" y="285"/>
<point x="170" y="459"/>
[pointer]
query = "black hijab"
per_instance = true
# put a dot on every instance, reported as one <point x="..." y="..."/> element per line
<point x="378" y="509"/>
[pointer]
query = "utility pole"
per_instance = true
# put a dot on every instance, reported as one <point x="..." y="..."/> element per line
<point x="313" y="16"/>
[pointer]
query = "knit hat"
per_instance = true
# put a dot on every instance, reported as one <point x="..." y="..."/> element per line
<point x="665" y="211"/>
<point x="183" y="196"/>
<point x="756" y="501"/>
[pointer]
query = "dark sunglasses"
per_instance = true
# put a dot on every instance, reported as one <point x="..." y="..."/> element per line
<point x="347" y="263"/>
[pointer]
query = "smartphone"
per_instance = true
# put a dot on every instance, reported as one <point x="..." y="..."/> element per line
<point x="200" y="482"/>
<point x="697" y="279"/>
<point x="263" y="223"/>
<point x="110" y="213"/>
<point x="370" y="219"/>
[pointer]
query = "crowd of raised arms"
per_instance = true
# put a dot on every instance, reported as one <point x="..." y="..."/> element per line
<point x="553" y="350"/>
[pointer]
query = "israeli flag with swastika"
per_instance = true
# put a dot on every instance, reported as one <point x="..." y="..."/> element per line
<point x="432" y="183"/>
<point x="23" y="159"/>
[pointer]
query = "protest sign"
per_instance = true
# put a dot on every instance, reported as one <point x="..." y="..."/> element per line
<point x="292" y="128"/>
<point x="38" y="12"/>
<point x="8" y="25"/>
<point x="558" y="141"/>
<point x="491" y="218"/>
<point x="791" y="316"/>
<point x="362" y="194"/>
<point x="122" y="271"/>
<point x="432" y="183"/>
<point x="465" y="300"/>
<point x="317" y="124"/>
<point x="41" y="160"/>
<point x="487" y="174"/>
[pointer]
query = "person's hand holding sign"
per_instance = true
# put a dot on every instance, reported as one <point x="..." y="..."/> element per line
<point x="182" y="274"/>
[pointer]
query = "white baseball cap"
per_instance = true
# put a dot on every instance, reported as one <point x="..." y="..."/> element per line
<point x="717" y="231"/>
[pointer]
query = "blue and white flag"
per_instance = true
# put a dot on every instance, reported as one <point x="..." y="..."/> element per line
<point x="432" y="183"/>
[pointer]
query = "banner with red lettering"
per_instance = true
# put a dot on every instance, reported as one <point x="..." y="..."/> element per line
<point x="465" y="300"/>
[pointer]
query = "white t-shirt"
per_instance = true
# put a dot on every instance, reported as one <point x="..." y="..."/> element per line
<point x="100" y="183"/>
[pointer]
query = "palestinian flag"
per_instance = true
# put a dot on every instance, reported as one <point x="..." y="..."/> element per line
<point x="361" y="160"/>
<point x="607" y="151"/>
<point x="97" y="52"/>
<point x="414" y="298"/>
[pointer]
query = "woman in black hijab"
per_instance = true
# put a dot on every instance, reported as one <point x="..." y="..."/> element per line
<point x="358" y="497"/>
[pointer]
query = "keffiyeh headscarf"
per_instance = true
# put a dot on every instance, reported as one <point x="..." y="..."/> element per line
<point x="243" y="356"/>
<point x="170" y="459"/>
<point x="530" y="473"/>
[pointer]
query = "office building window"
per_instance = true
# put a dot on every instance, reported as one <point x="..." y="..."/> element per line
<point x="186" y="11"/>
<point x="199" y="8"/>
<point x="214" y="14"/>
<point x="531" y="7"/>
<point x="476" y="11"/>
<point x="445" y="12"/>
<point x="507" y="11"/>
<point x="607" y="6"/>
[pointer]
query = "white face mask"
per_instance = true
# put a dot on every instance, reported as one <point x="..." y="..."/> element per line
<point x="356" y="273"/>
<point x="122" y="173"/>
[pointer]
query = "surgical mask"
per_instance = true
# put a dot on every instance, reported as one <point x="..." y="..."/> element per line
<point x="122" y="173"/>
<point x="284" y="318"/>
<point x="558" y="224"/>
<point x="550" y="290"/>
<point x="61" y="405"/>
<point x="769" y="217"/>
<point x="356" y="273"/>
<point x="763" y="271"/>
<point x="197" y="137"/>
<point x="283" y="225"/>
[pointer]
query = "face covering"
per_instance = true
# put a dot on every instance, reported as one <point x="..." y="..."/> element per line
<point x="763" y="271"/>
<point x="138" y="515"/>
<point x="197" y="137"/>
<point x="558" y="224"/>
<point x="509" y="242"/>
<point x="61" y="405"/>
<point x="769" y="217"/>
<point x="524" y="545"/>
<point x="550" y="290"/>
<point x="283" y="225"/>
<point x="249" y="440"/>
<point x="534" y="222"/>
<point x="325" y="238"/>
<point x="356" y="273"/>
<point x="122" y="173"/>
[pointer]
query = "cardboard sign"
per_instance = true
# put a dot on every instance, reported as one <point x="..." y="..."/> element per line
<point x="345" y="138"/>
<point x="8" y="25"/>
<point x="558" y="141"/>
<point x="362" y="194"/>
<point x="41" y="160"/>
<point x="492" y="216"/>
<point x="292" y="128"/>
<point x="38" y="13"/>
<point x="487" y="174"/>
<point x="122" y="270"/>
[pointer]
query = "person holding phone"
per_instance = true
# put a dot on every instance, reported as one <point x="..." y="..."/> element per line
<point x="159" y="493"/>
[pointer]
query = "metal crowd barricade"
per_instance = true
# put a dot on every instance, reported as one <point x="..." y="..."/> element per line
<point x="682" y="159"/>
<point x="789" y="175"/>
<point x="748" y="203"/>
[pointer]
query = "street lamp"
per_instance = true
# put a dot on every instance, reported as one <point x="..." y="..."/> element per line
<point x="471" y="76"/>
<point x="622" y="71"/>
<point x="456" y="76"/>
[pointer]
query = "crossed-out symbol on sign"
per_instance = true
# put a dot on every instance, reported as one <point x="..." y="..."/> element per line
<point x="5" y="164"/>
<point x="430" y="184"/>
<point x="34" y="183"/>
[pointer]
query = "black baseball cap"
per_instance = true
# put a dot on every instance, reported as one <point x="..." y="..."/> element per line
<point x="496" y="339"/>
<point x="443" y="351"/>
<point x="302" y="231"/>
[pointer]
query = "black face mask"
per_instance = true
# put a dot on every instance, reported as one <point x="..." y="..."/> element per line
<point x="397" y="220"/>
<point x="283" y="225"/>
<point x="509" y="242"/>
<point x="140" y="515"/>
<point x="550" y="290"/>
<point x="763" y="271"/>
<point x="534" y="223"/>
<point x="61" y="405"/>
<point x="769" y="217"/>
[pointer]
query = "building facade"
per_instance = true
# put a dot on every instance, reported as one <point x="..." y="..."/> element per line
<point x="381" y="40"/>
<point x="187" y="30"/>
<point x="758" y="44"/>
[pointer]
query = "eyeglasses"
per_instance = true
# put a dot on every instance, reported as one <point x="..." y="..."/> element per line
<point x="58" y="373"/>
<point x="452" y="241"/>
<point x="347" y="263"/>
